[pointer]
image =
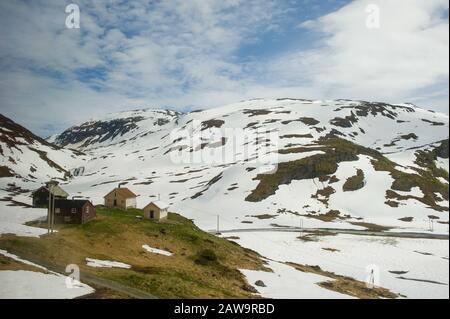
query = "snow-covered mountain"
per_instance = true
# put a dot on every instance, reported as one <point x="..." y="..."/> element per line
<point x="327" y="152"/>
<point x="27" y="161"/>
<point x="266" y="164"/>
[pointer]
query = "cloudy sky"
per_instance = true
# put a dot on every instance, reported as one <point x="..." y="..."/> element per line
<point x="190" y="54"/>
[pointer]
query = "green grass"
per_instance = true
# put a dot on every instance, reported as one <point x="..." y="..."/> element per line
<point x="405" y="182"/>
<point x="119" y="235"/>
<point x="354" y="183"/>
<point x="337" y="150"/>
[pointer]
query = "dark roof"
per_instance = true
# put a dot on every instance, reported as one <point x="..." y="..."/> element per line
<point x="58" y="191"/>
<point x="69" y="203"/>
<point x="125" y="192"/>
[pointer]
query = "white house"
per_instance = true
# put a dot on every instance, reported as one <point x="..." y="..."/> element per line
<point x="157" y="210"/>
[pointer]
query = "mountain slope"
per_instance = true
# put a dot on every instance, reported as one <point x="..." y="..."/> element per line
<point x="26" y="160"/>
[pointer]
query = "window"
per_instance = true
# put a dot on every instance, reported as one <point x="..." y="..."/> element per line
<point x="67" y="219"/>
<point x="87" y="210"/>
<point x="57" y="210"/>
<point x="73" y="210"/>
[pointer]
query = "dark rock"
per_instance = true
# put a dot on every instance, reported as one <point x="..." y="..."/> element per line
<point x="442" y="150"/>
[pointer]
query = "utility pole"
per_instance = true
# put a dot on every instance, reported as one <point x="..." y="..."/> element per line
<point x="49" y="211"/>
<point x="53" y="212"/>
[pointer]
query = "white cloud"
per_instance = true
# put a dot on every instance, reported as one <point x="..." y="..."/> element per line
<point x="181" y="53"/>
<point x="410" y="51"/>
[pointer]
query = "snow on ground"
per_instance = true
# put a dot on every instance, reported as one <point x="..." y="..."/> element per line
<point x="96" y="263"/>
<point x="35" y="285"/>
<point x="13" y="218"/>
<point x="286" y="282"/>
<point x="23" y="284"/>
<point x="157" y="251"/>
<point x="423" y="263"/>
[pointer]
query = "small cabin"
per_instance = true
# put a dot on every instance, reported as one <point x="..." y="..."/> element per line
<point x="74" y="211"/>
<point x="121" y="198"/>
<point x="157" y="210"/>
<point x="40" y="196"/>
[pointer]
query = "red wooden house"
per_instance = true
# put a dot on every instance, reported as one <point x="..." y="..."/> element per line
<point x="73" y="211"/>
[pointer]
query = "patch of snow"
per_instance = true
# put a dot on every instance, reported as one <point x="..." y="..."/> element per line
<point x="35" y="285"/>
<point x="157" y="251"/>
<point x="96" y="263"/>
<point x="12" y="219"/>
<point x="285" y="282"/>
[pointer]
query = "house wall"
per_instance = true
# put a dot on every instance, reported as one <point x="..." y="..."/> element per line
<point x="76" y="216"/>
<point x="131" y="203"/>
<point x="67" y="216"/>
<point x="163" y="214"/>
<point x="40" y="198"/>
<point x="122" y="202"/>
<point x="88" y="213"/>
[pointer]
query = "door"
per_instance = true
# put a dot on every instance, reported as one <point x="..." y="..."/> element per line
<point x="152" y="214"/>
<point x="115" y="203"/>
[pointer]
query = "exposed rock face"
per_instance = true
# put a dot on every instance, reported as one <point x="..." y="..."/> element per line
<point x="346" y="122"/>
<point x="113" y="128"/>
<point x="442" y="150"/>
<point x="97" y="132"/>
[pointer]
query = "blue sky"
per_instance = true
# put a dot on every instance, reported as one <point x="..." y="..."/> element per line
<point x="206" y="53"/>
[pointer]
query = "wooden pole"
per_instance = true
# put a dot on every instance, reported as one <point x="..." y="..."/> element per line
<point x="53" y="212"/>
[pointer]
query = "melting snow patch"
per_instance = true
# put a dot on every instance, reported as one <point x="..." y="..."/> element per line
<point x="35" y="285"/>
<point x="286" y="282"/>
<point x="12" y="220"/>
<point x="106" y="264"/>
<point x="157" y="251"/>
<point x="24" y="284"/>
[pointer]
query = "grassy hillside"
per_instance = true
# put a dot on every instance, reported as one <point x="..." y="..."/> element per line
<point x="203" y="266"/>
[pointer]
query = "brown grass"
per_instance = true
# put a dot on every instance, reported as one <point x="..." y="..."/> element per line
<point x="7" y="263"/>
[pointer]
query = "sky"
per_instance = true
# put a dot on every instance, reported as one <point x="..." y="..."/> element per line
<point x="198" y="54"/>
